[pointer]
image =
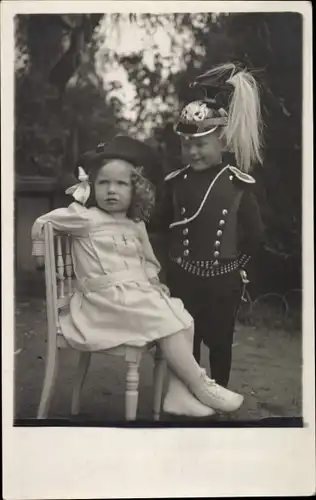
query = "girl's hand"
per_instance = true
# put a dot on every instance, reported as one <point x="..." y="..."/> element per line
<point x="165" y="289"/>
<point x="156" y="282"/>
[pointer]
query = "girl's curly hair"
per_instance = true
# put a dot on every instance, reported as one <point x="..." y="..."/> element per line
<point x="143" y="190"/>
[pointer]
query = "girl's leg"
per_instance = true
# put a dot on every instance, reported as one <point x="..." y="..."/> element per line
<point x="177" y="350"/>
<point x="179" y="400"/>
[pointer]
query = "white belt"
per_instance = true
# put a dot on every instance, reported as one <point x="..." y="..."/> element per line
<point x="86" y="285"/>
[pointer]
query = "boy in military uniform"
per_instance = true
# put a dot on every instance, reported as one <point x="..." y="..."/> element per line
<point x="212" y="214"/>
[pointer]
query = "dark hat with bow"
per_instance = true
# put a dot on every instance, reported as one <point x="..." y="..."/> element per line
<point x="124" y="148"/>
<point x="121" y="147"/>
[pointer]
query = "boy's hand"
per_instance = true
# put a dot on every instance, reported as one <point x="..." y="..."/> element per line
<point x="244" y="276"/>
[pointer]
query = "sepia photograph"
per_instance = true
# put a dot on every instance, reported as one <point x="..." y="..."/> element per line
<point x="158" y="170"/>
<point x="207" y="107"/>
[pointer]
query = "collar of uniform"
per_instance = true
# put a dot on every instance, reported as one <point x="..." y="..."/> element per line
<point x="209" y="172"/>
<point x="175" y="173"/>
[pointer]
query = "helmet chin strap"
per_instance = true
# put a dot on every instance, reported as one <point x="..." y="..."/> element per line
<point x="197" y="134"/>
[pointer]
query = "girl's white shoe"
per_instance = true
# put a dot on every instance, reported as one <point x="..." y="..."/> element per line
<point x="216" y="396"/>
<point x="180" y="401"/>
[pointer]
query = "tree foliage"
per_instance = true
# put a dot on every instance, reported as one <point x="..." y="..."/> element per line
<point x="60" y="106"/>
<point x="164" y="48"/>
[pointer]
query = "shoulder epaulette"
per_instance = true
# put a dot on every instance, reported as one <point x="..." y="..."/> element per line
<point x="242" y="176"/>
<point x="175" y="173"/>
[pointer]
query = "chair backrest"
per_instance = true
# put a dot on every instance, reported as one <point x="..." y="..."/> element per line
<point x="59" y="274"/>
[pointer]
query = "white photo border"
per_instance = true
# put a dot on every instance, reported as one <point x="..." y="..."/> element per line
<point x="80" y="463"/>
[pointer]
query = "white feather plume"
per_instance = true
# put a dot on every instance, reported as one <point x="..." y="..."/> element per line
<point x="243" y="130"/>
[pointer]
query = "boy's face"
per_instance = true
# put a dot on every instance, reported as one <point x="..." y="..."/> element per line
<point x="202" y="152"/>
<point x="113" y="187"/>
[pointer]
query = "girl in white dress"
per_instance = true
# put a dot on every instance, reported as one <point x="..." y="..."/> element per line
<point x="119" y="298"/>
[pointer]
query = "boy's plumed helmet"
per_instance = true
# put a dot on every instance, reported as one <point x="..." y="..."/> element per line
<point x="121" y="147"/>
<point x="231" y="101"/>
<point x="125" y="148"/>
<point x="198" y="119"/>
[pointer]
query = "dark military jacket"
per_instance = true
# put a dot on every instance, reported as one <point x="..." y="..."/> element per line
<point x="212" y="215"/>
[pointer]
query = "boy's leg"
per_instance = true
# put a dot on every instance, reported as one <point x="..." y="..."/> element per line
<point x="211" y="303"/>
<point x="197" y="346"/>
<point x="220" y="361"/>
<point x="220" y="333"/>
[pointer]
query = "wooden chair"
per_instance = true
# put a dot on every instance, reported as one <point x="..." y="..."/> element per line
<point x="59" y="288"/>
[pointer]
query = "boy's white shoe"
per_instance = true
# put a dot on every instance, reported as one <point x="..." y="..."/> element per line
<point x="180" y="401"/>
<point x="216" y="396"/>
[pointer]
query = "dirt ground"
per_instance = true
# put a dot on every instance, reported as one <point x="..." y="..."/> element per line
<point x="266" y="370"/>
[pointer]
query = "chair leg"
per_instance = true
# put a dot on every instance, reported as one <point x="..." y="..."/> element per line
<point x="82" y="369"/>
<point x="49" y="384"/>
<point x="131" y="394"/>
<point x="159" y="375"/>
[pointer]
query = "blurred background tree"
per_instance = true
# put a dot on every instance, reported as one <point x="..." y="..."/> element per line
<point x="82" y="78"/>
<point x="271" y="45"/>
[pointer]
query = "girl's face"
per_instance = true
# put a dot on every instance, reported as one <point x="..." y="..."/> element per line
<point x="113" y="187"/>
<point x="202" y="152"/>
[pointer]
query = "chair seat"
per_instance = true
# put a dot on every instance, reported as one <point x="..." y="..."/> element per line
<point x="115" y="351"/>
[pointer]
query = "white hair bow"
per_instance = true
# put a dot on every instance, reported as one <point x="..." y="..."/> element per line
<point x="81" y="191"/>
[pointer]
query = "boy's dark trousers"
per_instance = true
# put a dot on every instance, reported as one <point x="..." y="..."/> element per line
<point x="213" y="303"/>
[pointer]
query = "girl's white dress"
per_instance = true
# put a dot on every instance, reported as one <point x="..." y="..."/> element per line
<point x="115" y="303"/>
